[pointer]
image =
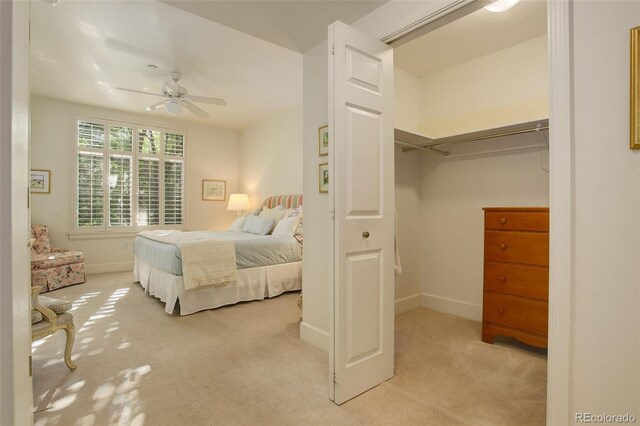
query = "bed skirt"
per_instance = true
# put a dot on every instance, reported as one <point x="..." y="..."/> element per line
<point x="252" y="284"/>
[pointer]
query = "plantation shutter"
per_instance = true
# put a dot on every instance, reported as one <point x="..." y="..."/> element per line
<point x="120" y="183"/>
<point x="90" y="135"/>
<point x="90" y="193"/>
<point x="173" y="178"/>
<point x="148" y="192"/>
<point x="128" y="177"/>
<point x="89" y="174"/>
<point x="173" y="144"/>
<point x="173" y="192"/>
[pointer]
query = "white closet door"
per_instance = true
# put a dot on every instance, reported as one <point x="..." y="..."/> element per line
<point x="362" y="193"/>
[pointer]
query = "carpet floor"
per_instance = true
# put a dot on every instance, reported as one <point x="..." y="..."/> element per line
<point x="245" y="365"/>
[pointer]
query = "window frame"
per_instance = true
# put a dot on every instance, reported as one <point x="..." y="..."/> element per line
<point x="105" y="230"/>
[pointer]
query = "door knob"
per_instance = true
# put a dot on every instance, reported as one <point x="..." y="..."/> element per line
<point x="365" y="234"/>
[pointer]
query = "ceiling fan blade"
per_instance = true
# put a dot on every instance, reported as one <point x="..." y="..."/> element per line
<point x="155" y="106"/>
<point x="207" y="100"/>
<point x="139" y="91"/>
<point x="194" y="109"/>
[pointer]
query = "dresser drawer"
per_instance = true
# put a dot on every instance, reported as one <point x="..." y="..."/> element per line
<point x="520" y="247"/>
<point x="525" y="281"/>
<point x="515" y="312"/>
<point x="517" y="221"/>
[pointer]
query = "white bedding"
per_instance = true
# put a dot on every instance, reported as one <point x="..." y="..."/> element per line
<point x="206" y="262"/>
<point x="251" y="284"/>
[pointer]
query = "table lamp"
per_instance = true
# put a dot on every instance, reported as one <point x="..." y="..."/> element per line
<point x="238" y="202"/>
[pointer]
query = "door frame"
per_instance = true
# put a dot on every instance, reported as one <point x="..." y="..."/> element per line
<point x="561" y="175"/>
<point x="16" y="394"/>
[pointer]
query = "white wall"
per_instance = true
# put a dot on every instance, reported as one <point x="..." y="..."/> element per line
<point x="271" y="156"/>
<point x="316" y="276"/>
<point x="211" y="154"/>
<point x="407" y="188"/>
<point x="407" y="101"/>
<point x="605" y="343"/>
<point x="505" y="87"/>
<point x="452" y="196"/>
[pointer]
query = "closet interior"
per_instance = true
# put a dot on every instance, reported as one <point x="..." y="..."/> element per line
<point x="472" y="132"/>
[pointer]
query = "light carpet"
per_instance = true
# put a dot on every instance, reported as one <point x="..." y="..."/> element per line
<point x="245" y="365"/>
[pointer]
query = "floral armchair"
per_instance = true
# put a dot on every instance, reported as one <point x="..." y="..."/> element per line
<point x="51" y="267"/>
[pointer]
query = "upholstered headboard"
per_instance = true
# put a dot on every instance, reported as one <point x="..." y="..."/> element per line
<point x="288" y="201"/>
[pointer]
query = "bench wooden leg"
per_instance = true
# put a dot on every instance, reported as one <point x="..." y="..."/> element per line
<point x="68" y="347"/>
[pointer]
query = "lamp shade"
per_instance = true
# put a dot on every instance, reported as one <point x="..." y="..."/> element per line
<point x="238" y="202"/>
<point x="173" y="107"/>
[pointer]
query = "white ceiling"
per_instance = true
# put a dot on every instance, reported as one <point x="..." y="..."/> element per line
<point x="297" y="25"/>
<point x="471" y="37"/>
<point x="81" y="51"/>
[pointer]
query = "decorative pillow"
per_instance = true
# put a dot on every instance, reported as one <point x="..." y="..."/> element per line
<point x="42" y="243"/>
<point x="299" y="229"/>
<point x="287" y="227"/>
<point x="293" y="212"/>
<point x="258" y="225"/>
<point x="276" y="213"/>
<point x="238" y="224"/>
<point x="255" y="212"/>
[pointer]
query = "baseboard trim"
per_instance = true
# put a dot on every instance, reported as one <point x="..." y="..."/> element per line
<point x="452" y="306"/>
<point x="314" y="336"/>
<point x="408" y="303"/>
<point x="101" y="268"/>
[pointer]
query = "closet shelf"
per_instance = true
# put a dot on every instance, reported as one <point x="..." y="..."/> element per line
<point x="411" y="140"/>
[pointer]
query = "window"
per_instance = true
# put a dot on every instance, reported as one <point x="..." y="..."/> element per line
<point x="129" y="177"/>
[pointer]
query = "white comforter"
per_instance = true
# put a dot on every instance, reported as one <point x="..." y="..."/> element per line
<point x="205" y="262"/>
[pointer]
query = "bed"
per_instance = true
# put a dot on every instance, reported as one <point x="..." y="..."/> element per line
<point x="267" y="266"/>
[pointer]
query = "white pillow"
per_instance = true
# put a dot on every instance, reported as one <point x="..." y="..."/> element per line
<point x="238" y="224"/>
<point x="258" y="225"/>
<point x="287" y="226"/>
<point x="276" y="213"/>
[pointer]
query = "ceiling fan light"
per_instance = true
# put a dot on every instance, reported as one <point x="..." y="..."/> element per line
<point x="501" y="5"/>
<point x="173" y="107"/>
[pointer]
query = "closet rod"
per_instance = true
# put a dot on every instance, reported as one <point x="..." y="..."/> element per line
<point x="498" y="151"/>
<point x="454" y="141"/>
<point x="422" y="148"/>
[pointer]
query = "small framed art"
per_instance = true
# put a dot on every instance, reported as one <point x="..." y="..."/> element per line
<point x="323" y="141"/>
<point x="323" y="177"/>
<point x="214" y="190"/>
<point x="40" y="181"/>
<point x="634" y="96"/>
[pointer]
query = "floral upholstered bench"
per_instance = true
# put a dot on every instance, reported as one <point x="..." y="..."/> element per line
<point x="53" y="268"/>
<point x="50" y="315"/>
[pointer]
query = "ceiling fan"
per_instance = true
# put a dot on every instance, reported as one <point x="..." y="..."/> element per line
<point x="177" y="97"/>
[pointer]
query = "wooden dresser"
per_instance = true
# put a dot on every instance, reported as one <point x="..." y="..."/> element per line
<point x="516" y="274"/>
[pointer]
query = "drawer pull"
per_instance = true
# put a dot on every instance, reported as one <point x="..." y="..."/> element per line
<point x="501" y="310"/>
<point x="502" y="278"/>
<point x="503" y="246"/>
<point x="503" y="220"/>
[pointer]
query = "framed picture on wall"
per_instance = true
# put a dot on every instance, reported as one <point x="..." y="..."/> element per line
<point x="323" y="141"/>
<point x="40" y="181"/>
<point x="214" y="190"/>
<point x="635" y="89"/>
<point x="323" y="177"/>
